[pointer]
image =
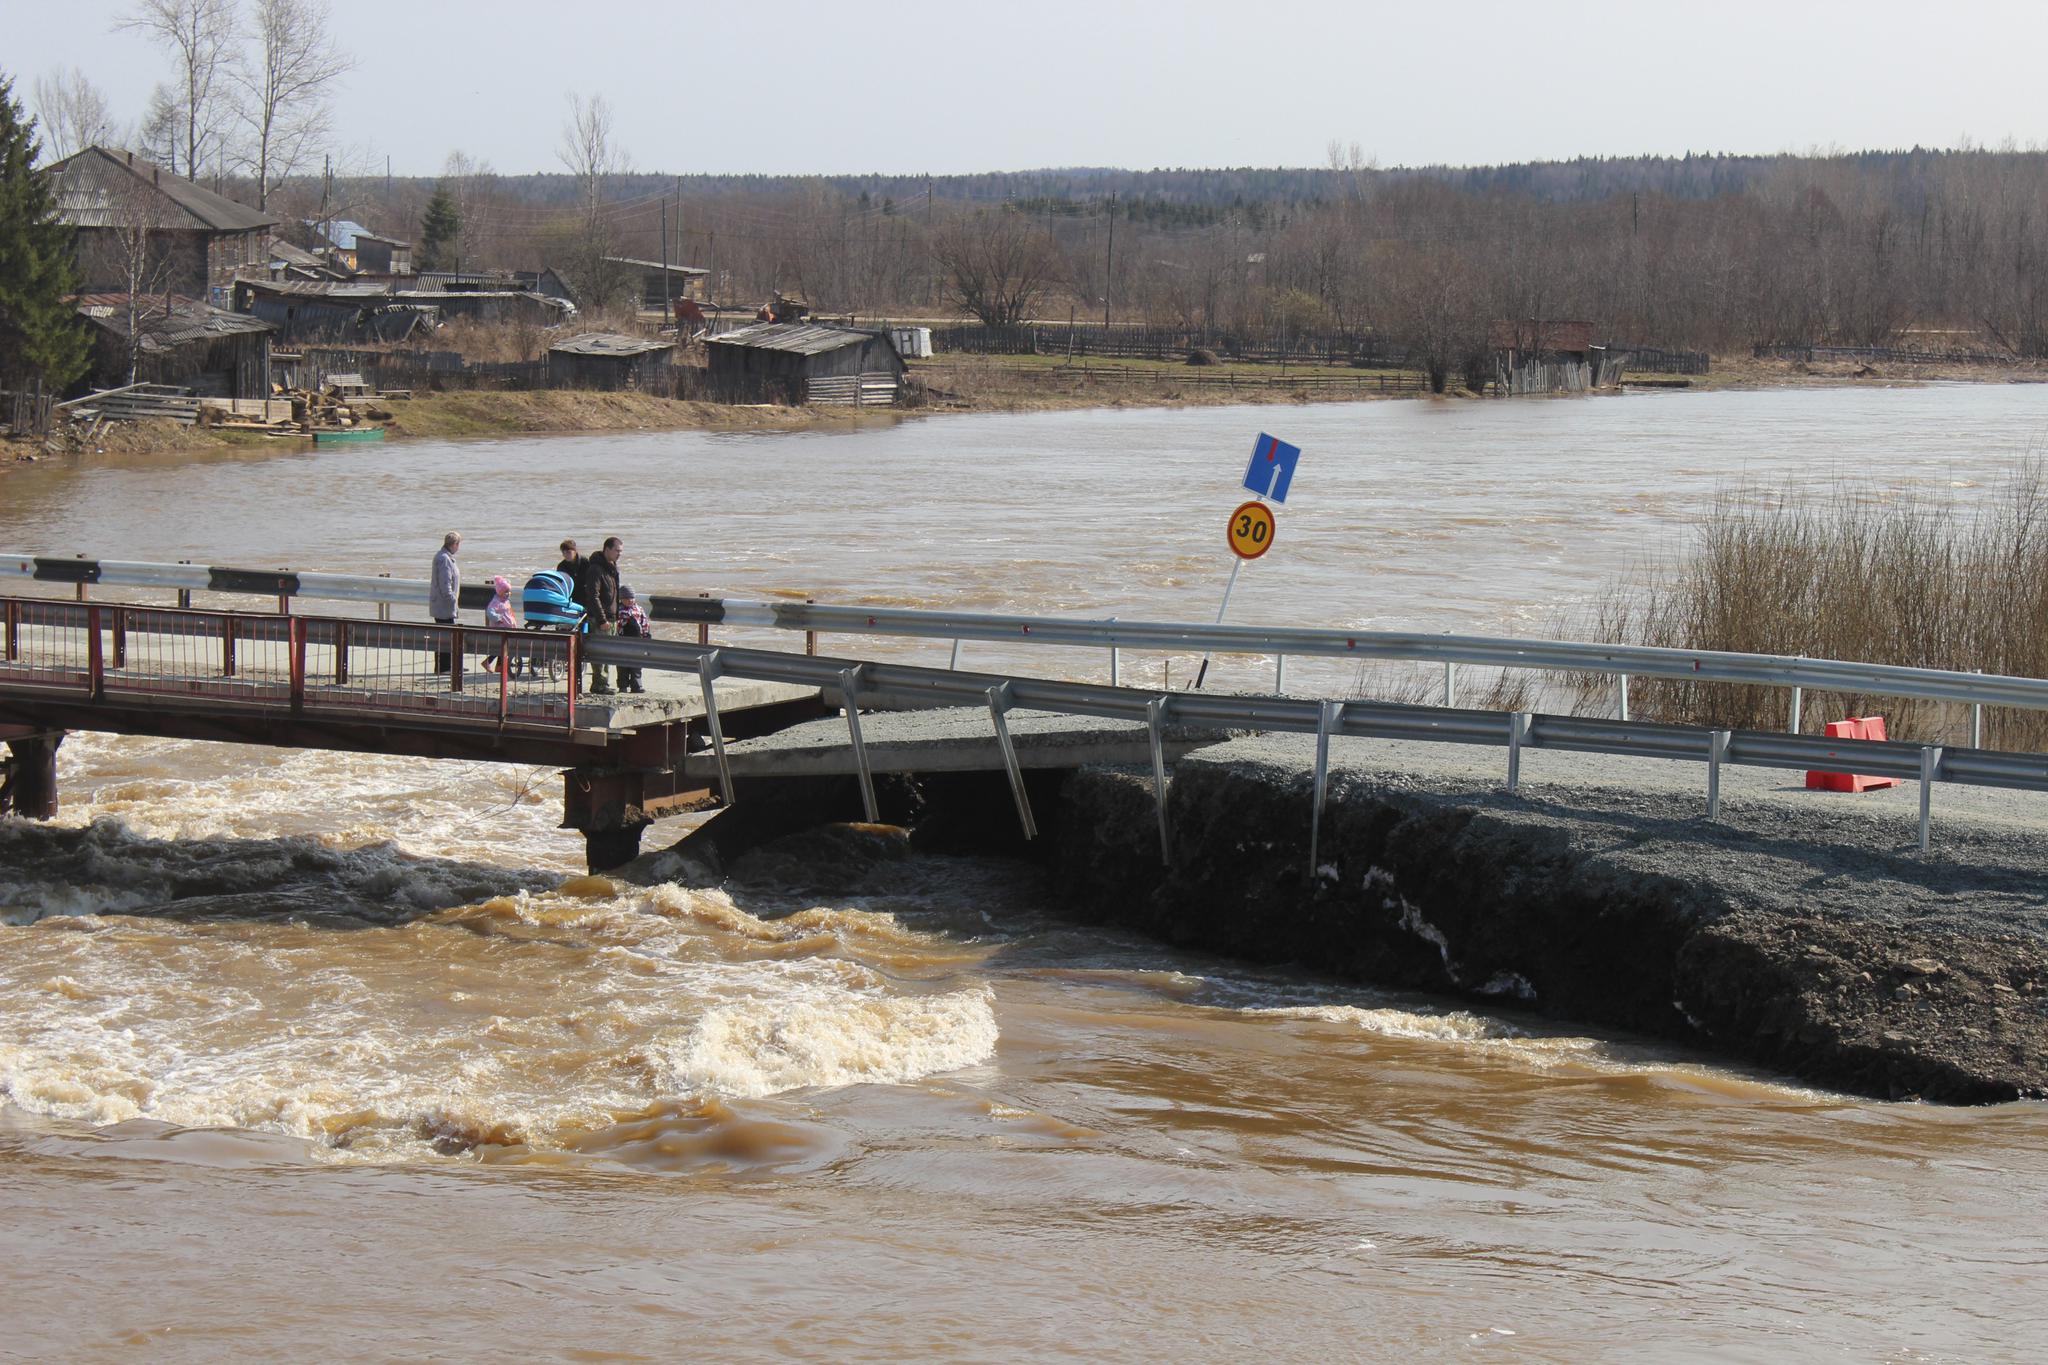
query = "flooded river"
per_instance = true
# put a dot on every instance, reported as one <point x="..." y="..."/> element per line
<point x="307" y="1051"/>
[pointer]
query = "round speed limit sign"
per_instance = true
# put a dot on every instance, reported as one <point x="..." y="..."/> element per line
<point x="1251" y="530"/>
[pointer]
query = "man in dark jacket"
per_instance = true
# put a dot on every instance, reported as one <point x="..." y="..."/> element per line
<point x="598" y="592"/>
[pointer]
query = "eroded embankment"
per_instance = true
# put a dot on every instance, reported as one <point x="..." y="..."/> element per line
<point x="1803" y="937"/>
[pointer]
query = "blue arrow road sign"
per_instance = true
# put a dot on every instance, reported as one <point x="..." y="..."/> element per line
<point x="1272" y="467"/>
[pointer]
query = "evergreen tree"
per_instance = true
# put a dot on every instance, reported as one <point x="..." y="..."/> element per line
<point x="40" y="331"/>
<point x="441" y="230"/>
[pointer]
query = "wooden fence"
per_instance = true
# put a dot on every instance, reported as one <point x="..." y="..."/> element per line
<point x="1167" y="343"/>
<point x="449" y="370"/>
<point x="1656" y="360"/>
<point x="1882" y="355"/>
<point x="25" y="412"/>
<point x="1191" y="378"/>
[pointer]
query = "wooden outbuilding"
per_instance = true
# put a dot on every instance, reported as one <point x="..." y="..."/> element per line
<point x="180" y="341"/>
<point x="1550" y="356"/>
<point x="609" y="360"/>
<point x="380" y="255"/>
<point x="683" y="281"/>
<point x="804" y="363"/>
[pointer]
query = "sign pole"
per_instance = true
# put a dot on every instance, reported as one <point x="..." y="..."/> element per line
<point x="1203" y="671"/>
<point x="1251" y="527"/>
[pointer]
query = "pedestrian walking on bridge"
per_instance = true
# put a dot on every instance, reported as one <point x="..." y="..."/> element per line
<point x="442" y="595"/>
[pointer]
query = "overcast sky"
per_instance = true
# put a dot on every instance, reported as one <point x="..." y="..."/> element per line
<point x="908" y="86"/>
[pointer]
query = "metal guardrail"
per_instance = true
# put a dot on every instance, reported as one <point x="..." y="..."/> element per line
<point x="1799" y="674"/>
<point x="99" y="649"/>
<point x="875" y="683"/>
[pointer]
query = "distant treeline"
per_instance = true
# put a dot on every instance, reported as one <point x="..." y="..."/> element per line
<point x="1947" y="248"/>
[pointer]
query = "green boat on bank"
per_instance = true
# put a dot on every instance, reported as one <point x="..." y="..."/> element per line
<point x="348" y="437"/>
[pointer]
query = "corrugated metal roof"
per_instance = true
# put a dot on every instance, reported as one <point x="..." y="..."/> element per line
<point x="804" y="338"/>
<point x="327" y="289"/>
<point x="85" y="184"/>
<point x="656" y="265"/>
<point x="164" y="321"/>
<point x="281" y="250"/>
<point x="610" y="343"/>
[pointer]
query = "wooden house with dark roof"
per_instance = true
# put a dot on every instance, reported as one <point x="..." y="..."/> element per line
<point x="143" y="229"/>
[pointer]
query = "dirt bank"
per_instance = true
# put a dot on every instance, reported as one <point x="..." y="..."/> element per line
<point x="449" y="415"/>
<point x="1045" y="384"/>
<point x="1803" y="932"/>
<point x="1747" y="372"/>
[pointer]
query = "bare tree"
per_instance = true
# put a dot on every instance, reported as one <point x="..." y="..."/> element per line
<point x="284" y="90"/>
<point x="156" y="133"/>
<point x="71" y="113"/>
<point x="200" y="35"/>
<point x="134" y="250"/>
<point x="469" y="181"/>
<point x="592" y="158"/>
<point x="997" y="262"/>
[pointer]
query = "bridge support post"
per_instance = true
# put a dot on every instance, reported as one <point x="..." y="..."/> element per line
<point x="998" y="710"/>
<point x="1155" y="728"/>
<point x="605" y="849"/>
<point x="28" y="777"/>
<point x="610" y="807"/>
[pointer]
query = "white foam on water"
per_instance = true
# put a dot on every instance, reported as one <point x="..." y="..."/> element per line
<point x="760" y="1047"/>
<point x="1452" y="1027"/>
<point x="530" y="1018"/>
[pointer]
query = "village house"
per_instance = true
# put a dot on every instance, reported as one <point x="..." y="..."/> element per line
<point x="142" y="230"/>
<point x="608" y="360"/>
<point x="804" y="363"/>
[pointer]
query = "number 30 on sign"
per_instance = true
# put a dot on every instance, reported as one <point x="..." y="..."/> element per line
<point x="1251" y="530"/>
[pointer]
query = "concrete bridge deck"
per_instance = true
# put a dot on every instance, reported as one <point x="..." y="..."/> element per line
<point x="946" y="740"/>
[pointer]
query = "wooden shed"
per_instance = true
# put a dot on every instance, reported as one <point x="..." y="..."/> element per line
<point x="181" y="341"/>
<point x="805" y="363"/>
<point x="609" y="360"/>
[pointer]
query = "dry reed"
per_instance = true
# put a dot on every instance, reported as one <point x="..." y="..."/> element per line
<point x="1910" y="579"/>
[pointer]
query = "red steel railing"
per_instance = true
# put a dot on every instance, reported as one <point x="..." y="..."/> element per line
<point x="309" y="663"/>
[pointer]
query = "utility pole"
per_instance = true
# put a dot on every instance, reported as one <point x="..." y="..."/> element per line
<point x="1108" y="267"/>
<point x="667" y="309"/>
<point x="932" y="290"/>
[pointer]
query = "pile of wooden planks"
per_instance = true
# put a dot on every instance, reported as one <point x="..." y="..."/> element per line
<point x="295" y="412"/>
<point x="134" y="402"/>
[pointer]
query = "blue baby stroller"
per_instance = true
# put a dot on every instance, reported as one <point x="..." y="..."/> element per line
<point x="548" y="601"/>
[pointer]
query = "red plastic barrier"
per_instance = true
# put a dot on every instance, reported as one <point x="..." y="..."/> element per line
<point x="1862" y="727"/>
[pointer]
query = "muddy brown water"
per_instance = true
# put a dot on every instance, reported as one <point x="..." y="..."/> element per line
<point x="316" y="1051"/>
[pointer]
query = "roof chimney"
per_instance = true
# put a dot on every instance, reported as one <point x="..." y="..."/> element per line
<point x="131" y="158"/>
<point x="155" y="175"/>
